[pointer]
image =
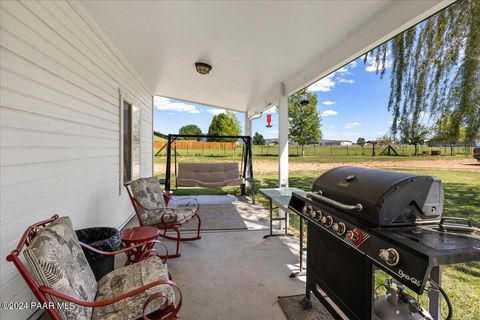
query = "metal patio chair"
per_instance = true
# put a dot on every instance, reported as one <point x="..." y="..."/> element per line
<point x="60" y="275"/>
<point x="148" y="200"/>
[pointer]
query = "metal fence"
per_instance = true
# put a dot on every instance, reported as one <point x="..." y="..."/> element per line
<point x="230" y="149"/>
<point x="356" y="150"/>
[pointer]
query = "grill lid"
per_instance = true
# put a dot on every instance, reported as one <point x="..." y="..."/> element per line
<point x="383" y="198"/>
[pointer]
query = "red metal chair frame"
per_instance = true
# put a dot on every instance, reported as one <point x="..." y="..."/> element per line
<point x="163" y="226"/>
<point x="42" y="292"/>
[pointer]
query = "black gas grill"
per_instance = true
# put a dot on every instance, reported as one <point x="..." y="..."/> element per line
<point x="362" y="219"/>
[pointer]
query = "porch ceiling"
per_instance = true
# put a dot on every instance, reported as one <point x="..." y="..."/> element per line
<point x="253" y="46"/>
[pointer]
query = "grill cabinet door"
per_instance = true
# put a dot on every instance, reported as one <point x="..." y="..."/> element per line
<point x="341" y="272"/>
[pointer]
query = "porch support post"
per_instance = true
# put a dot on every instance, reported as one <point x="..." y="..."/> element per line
<point x="248" y="125"/>
<point x="283" y="137"/>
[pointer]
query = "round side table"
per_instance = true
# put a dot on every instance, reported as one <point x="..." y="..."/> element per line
<point x="138" y="235"/>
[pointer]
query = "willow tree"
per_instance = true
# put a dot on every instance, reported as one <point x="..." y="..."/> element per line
<point x="436" y="71"/>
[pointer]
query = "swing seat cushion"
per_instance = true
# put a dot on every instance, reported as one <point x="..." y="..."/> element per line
<point x="208" y="175"/>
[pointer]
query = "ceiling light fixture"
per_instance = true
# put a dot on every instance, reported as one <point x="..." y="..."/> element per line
<point x="203" y="68"/>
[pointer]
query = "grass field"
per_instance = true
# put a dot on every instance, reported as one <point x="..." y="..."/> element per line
<point x="462" y="199"/>
<point x="265" y="161"/>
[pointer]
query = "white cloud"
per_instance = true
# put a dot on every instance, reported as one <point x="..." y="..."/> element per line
<point x="352" y="125"/>
<point x="324" y="85"/>
<point x="379" y="133"/>
<point x="328" y="102"/>
<point x="331" y="127"/>
<point x="162" y="103"/>
<point x="372" y="63"/>
<point x="328" y="83"/>
<point x="328" y="113"/>
<point x="345" y="70"/>
<point x="215" y="111"/>
<point x="343" y="80"/>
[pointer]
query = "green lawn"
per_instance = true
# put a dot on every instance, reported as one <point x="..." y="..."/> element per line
<point x="462" y="199"/>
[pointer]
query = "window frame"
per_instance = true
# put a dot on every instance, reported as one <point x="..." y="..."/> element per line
<point x="125" y="98"/>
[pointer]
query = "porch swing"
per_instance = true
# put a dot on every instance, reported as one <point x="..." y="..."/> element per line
<point x="211" y="175"/>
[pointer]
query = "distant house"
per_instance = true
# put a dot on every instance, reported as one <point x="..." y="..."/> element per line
<point x="271" y="141"/>
<point x="326" y="142"/>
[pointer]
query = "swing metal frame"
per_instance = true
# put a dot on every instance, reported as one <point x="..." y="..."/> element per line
<point x="246" y="166"/>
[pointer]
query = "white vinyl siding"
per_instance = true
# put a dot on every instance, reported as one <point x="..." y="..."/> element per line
<point x="60" y="131"/>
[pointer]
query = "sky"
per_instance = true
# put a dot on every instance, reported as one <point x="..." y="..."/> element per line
<point x="352" y="103"/>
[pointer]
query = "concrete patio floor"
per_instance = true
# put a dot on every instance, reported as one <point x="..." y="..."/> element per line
<point x="234" y="274"/>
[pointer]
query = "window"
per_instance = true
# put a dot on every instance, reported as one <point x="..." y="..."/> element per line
<point x="131" y="142"/>
<point x="127" y="141"/>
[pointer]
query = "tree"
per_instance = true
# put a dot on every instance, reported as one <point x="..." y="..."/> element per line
<point x="446" y="131"/>
<point x="259" y="139"/>
<point x="224" y="124"/>
<point x="384" y="140"/>
<point x="304" y="121"/>
<point x="362" y="142"/>
<point x="414" y="134"/>
<point x="436" y="69"/>
<point x="190" y="129"/>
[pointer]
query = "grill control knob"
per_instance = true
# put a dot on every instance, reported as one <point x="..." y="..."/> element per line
<point x="356" y="236"/>
<point x="319" y="215"/>
<point x="309" y="210"/>
<point x="352" y="235"/>
<point x="390" y="256"/>
<point x="339" y="228"/>
<point x="323" y="219"/>
<point x="329" y="221"/>
<point x="304" y="209"/>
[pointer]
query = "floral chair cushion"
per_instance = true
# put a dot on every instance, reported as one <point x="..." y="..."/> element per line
<point x="57" y="260"/>
<point x="148" y="192"/>
<point x="129" y="278"/>
<point x="170" y="216"/>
